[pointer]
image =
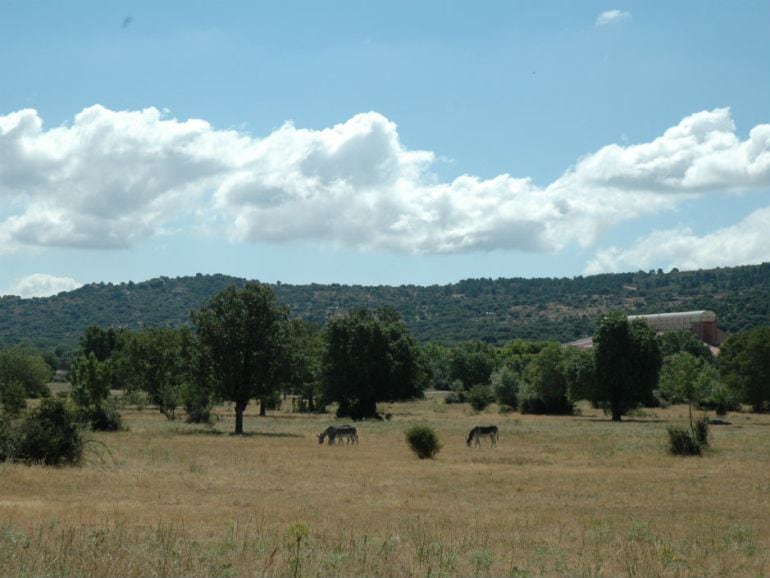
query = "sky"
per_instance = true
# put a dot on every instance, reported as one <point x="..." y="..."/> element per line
<point x="372" y="142"/>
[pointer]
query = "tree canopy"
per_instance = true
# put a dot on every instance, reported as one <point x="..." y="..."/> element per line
<point x="745" y="363"/>
<point x="370" y="357"/>
<point x="241" y="333"/>
<point x="627" y="363"/>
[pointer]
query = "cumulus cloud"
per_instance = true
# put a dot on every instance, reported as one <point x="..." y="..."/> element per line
<point x="744" y="242"/>
<point x="114" y="178"/>
<point x="42" y="285"/>
<point x="612" y="17"/>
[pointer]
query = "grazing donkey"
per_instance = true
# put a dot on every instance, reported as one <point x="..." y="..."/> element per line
<point x="480" y="431"/>
<point x="334" y="433"/>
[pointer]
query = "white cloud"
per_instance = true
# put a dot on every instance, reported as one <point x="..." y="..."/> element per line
<point x="114" y="178"/>
<point x="746" y="242"/>
<point x="42" y="285"/>
<point x="612" y="17"/>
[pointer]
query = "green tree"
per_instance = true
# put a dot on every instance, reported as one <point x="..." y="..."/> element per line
<point x="241" y="333"/>
<point x="370" y="357"/>
<point x="744" y="361"/>
<point x="472" y="363"/>
<point x="304" y="348"/>
<point x="545" y="384"/>
<point x="101" y="342"/>
<point x="580" y="372"/>
<point x="627" y="359"/>
<point x="673" y="342"/>
<point x="197" y="390"/>
<point x="505" y="384"/>
<point x="108" y="346"/>
<point x="23" y="373"/>
<point x="687" y="378"/>
<point x="437" y="365"/>
<point x="154" y="362"/>
<point x="90" y="380"/>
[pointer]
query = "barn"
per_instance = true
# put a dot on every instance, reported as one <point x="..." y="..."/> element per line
<point x="702" y="323"/>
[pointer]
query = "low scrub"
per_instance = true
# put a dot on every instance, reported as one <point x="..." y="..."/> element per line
<point x="49" y="435"/>
<point x="423" y="441"/>
<point x="682" y="442"/>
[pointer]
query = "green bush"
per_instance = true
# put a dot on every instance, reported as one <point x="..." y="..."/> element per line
<point x="682" y="442"/>
<point x="105" y="419"/>
<point x="702" y="432"/>
<point x="49" y="435"/>
<point x="423" y="441"/>
<point x="480" y="397"/>
<point x="197" y="403"/>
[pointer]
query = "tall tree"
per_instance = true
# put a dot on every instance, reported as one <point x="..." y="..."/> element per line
<point x="370" y="357"/>
<point x="154" y="362"/>
<point x="241" y="332"/>
<point x="544" y="389"/>
<point x="744" y="360"/>
<point x="627" y="361"/>
<point x="90" y="381"/>
<point x="687" y="378"/>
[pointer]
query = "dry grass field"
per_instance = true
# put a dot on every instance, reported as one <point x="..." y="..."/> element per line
<point x="559" y="496"/>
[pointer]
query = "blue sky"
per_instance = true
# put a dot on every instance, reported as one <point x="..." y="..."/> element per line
<point x="380" y="142"/>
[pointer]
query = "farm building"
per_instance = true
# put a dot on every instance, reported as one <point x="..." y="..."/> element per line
<point x="702" y="323"/>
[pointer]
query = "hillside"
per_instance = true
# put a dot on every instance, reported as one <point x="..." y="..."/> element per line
<point x="492" y="310"/>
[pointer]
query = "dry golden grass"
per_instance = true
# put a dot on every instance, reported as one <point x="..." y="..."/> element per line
<point x="577" y="496"/>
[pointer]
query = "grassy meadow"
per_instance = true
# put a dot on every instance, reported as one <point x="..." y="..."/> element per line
<point x="559" y="496"/>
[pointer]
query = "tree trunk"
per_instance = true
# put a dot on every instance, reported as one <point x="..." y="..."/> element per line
<point x="262" y="406"/>
<point x="364" y="409"/>
<point x="616" y="412"/>
<point x="239" y="409"/>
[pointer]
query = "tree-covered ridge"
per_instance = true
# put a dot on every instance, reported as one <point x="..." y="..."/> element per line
<point x="560" y="309"/>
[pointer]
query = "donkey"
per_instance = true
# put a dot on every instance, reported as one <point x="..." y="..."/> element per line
<point x="334" y="433"/>
<point x="480" y="431"/>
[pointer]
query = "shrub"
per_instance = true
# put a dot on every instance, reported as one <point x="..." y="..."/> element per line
<point x="701" y="431"/>
<point x="7" y="439"/>
<point x="480" y="397"/>
<point x="105" y="419"/>
<point x="50" y="435"/>
<point x="423" y="441"/>
<point x="197" y="403"/>
<point x="682" y="442"/>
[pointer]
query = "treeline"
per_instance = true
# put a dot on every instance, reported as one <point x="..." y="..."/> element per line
<point x="493" y="311"/>
<point x="243" y="346"/>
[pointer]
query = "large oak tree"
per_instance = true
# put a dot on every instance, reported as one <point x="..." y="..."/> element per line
<point x="241" y="331"/>
<point x="627" y="361"/>
<point x="370" y="357"/>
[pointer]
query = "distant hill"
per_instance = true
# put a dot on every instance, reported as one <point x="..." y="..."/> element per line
<point x="493" y="310"/>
